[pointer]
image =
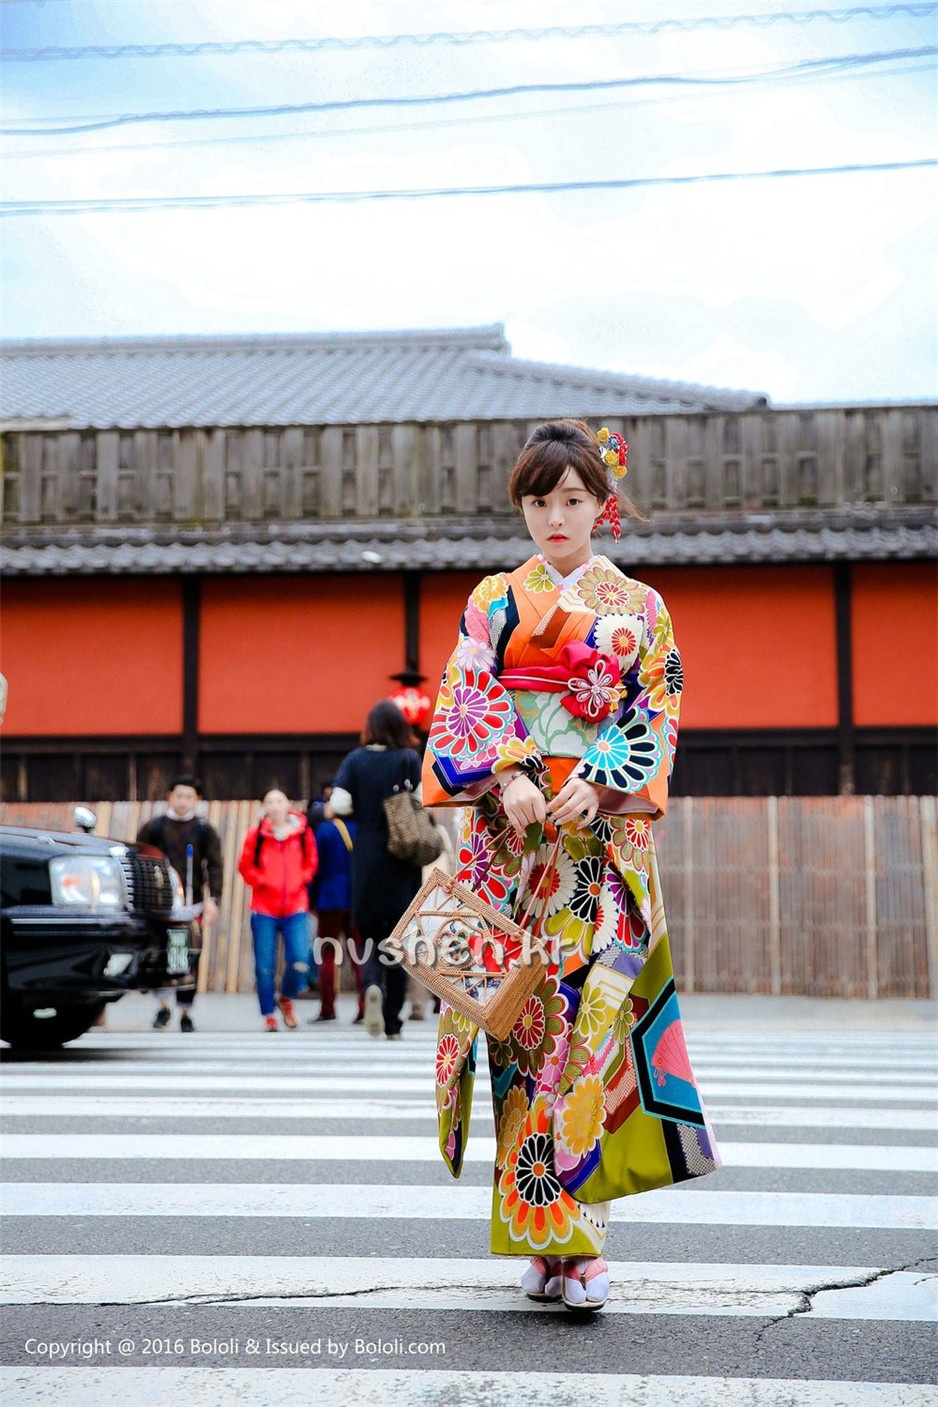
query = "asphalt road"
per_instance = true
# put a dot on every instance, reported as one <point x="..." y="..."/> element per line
<point x="260" y="1219"/>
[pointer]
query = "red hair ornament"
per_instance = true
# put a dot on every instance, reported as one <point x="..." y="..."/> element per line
<point x="613" y="451"/>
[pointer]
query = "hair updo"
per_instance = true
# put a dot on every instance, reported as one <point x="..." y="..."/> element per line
<point x="552" y="449"/>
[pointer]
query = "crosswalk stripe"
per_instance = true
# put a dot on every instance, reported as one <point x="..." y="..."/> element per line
<point x="314" y="1106"/>
<point x="887" y="1085"/>
<point x="376" y="1059"/>
<point x="761" y="1039"/>
<point x="161" y="1386"/>
<point x="844" y="1292"/>
<point x="388" y="1081"/>
<point x="401" y="1148"/>
<point x="672" y="1205"/>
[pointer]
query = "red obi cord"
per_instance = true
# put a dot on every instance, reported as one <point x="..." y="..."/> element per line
<point x="588" y="679"/>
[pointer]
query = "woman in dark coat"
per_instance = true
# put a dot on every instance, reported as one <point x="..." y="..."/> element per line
<point x="382" y="885"/>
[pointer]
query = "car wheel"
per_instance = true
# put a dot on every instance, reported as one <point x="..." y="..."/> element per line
<point x="24" y="1030"/>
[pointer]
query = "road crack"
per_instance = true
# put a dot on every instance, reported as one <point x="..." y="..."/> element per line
<point x="806" y="1296"/>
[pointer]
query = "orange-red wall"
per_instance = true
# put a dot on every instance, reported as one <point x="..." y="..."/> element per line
<point x="442" y="602"/>
<point x="88" y="655"/>
<point x="291" y="654"/>
<point x="895" y="645"/>
<point x="758" y="643"/>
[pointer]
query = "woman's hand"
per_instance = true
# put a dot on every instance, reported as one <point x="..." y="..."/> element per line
<point x="523" y="802"/>
<point x="577" y="800"/>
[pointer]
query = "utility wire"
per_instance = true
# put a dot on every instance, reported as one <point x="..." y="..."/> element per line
<point x="478" y="36"/>
<point x="134" y="204"/>
<point x="389" y="129"/>
<point x="803" y="67"/>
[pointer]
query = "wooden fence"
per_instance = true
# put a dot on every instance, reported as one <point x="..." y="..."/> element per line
<point x="744" y="461"/>
<point x="817" y="896"/>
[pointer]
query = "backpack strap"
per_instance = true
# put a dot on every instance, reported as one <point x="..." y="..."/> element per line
<point x="342" y="828"/>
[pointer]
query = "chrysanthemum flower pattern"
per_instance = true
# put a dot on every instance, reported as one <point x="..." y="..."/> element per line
<point x="579" y="1120"/>
<point x="447" y="1056"/>
<point x="532" y="1202"/>
<point x="472" y="712"/>
<point x="606" y="591"/>
<point x="538" y="1027"/>
<point x="539" y="580"/>
<point x="624" y="758"/>
<point x="512" y="1116"/>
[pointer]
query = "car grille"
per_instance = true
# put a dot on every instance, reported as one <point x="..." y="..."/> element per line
<point x="149" y="884"/>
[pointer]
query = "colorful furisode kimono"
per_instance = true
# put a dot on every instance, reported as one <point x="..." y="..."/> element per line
<point x="593" y="1092"/>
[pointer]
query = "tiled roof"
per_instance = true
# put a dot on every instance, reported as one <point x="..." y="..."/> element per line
<point x="905" y="535"/>
<point x="318" y="379"/>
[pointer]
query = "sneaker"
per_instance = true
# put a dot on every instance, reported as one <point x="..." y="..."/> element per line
<point x="416" y="1015"/>
<point x="324" y="1016"/>
<point x="393" y="1035"/>
<point x="287" y="1012"/>
<point x="161" y="1019"/>
<point x="270" y="1023"/>
<point x="185" y="1022"/>
<point x="374" y="1015"/>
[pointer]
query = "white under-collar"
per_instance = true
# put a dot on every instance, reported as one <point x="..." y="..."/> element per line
<point x="564" y="581"/>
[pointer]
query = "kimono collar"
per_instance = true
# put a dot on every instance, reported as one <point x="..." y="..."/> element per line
<point x="562" y="582"/>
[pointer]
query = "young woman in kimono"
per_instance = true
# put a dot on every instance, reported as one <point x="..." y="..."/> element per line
<point x="557" y="715"/>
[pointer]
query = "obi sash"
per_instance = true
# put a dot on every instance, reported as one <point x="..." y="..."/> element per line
<point x="588" y="679"/>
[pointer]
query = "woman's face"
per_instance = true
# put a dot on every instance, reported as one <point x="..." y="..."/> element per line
<point x="276" y="808"/>
<point x="561" y="522"/>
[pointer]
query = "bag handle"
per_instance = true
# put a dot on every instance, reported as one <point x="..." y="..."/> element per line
<point x="405" y="784"/>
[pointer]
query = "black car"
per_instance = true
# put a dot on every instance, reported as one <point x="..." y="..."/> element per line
<point x="83" y="920"/>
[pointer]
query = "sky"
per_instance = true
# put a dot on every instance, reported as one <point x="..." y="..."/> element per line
<point x="809" y="288"/>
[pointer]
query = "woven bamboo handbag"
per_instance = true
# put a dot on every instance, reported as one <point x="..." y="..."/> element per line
<point x="480" y="962"/>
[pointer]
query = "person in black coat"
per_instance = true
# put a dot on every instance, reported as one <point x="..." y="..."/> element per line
<point x="193" y="848"/>
<point x="382" y="885"/>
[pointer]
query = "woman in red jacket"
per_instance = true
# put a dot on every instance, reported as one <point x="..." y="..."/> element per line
<point x="278" y="860"/>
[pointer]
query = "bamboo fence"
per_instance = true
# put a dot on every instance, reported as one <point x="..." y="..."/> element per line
<point x="813" y="896"/>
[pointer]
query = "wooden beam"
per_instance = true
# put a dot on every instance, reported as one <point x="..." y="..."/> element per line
<point x="191" y="621"/>
<point x="846" y="739"/>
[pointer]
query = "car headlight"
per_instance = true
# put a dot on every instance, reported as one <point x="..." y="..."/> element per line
<point x="88" y="882"/>
<point x="179" y="894"/>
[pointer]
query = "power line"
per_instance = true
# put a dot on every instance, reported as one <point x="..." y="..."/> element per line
<point x="132" y="204"/>
<point x="478" y="36"/>
<point x="804" y="67"/>
<point x="390" y="129"/>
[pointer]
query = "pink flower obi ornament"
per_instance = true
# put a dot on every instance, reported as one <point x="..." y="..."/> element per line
<point x="593" y="681"/>
<point x="588" y="679"/>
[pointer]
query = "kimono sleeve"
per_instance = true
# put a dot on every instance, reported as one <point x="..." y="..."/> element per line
<point x="633" y="756"/>
<point x="476" y="729"/>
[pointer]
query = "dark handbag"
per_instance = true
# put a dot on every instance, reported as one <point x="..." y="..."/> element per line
<point x="412" y="836"/>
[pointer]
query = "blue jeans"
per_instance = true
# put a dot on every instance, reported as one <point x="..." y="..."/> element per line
<point x="295" y="956"/>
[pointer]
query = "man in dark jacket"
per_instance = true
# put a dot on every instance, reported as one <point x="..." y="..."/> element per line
<point x="193" y="848"/>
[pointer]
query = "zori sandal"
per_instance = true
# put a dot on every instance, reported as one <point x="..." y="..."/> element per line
<point x="541" y="1280"/>
<point x="584" y="1282"/>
